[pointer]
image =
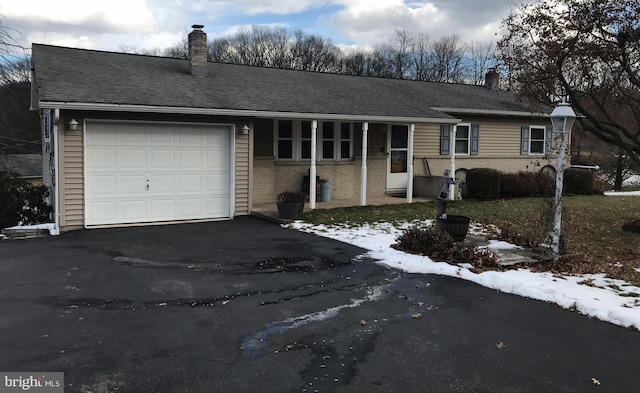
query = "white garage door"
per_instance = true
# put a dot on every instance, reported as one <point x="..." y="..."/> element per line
<point x="150" y="172"/>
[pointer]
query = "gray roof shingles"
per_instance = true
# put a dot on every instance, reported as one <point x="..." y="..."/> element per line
<point x="86" y="76"/>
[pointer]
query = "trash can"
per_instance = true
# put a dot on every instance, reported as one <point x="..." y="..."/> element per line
<point x="326" y="190"/>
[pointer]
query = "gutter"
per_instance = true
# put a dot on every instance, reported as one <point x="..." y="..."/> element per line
<point x="240" y="112"/>
<point x="490" y="112"/>
<point x="56" y="164"/>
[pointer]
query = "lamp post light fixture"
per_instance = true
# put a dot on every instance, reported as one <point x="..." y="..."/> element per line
<point x="562" y="119"/>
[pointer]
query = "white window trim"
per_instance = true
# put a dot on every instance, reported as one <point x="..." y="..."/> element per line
<point x="544" y="140"/>
<point x="296" y="135"/>
<point x="468" y="125"/>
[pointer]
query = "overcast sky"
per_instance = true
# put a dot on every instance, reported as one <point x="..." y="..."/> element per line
<point x="110" y="24"/>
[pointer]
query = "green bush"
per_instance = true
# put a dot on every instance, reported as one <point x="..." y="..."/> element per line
<point x="578" y="181"/>
<point x="21" y="202"/>
<point x="525" y="185"/>
<point x="483" y="183"/>
<point x="440" y="246"/>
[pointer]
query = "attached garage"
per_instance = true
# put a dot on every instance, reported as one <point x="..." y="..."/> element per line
<point x="143" y="172"/>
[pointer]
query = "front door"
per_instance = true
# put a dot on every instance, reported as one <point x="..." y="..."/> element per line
<point x="397" y="159"/>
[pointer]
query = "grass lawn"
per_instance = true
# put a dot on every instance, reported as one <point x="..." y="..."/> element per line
<point x="591" y="227"/>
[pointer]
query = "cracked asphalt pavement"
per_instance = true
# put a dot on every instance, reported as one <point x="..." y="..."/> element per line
<point x="248" y="306"/>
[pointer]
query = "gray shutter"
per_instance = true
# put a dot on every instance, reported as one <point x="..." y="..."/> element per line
<point x="548" y="140"/>
<point x="524" y="140"/>
<point x="475" y="139"/>
<point x="445" y="139"/>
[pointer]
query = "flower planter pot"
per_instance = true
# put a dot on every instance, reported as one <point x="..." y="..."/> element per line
<point x="456" y="226"/>
<point x="290" y="210"/>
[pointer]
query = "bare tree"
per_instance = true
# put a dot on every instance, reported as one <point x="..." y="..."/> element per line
<point x="480" y="57"/>
<point x="588" y="51"/>
<point x="422" y="58"/>
<point x="314" y="53"/>
<point x="448" y="55"/>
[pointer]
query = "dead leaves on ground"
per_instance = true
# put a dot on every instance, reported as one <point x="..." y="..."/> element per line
<point x="500" y="345"/>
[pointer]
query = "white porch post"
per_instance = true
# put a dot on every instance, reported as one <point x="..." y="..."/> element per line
<point x="452" y="163"/>
<point x="412" y="129"/>
<point x="312" y="170"/>
<point x="363" y="169"/>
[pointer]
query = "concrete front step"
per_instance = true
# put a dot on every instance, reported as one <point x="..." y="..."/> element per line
<point x="24" y="233"/>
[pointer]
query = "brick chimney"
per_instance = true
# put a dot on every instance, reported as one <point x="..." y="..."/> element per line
<point x="198" y="51"/>
<point x="492" y="79"/>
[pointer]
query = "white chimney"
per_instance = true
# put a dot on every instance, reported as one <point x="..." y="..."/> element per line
<point x="198" y="51"/>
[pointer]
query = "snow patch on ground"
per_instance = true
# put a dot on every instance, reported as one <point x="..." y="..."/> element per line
<point x="595" y="295"/>
<point x="51" y="227"/>
<point x="621" y="193"/>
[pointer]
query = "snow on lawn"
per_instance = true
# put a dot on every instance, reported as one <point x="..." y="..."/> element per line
<point x="610" y="300"/>
<point x="621" y="193"/>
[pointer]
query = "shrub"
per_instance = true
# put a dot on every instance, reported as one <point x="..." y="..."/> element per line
<point x="440" y="246"/>
<point x="21" y="202"/>
<point x="578" y="181"/>
<point x="291" y="197"/>
<point x="483" y="183"/>
<point x="525" y="184"/>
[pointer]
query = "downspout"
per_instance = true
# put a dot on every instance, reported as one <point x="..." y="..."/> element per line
<point x="363" y="169"/>
<point x="452" y="163"/>
<point x="412" y="129"/>
<point x="56" y="171"/>
<point x="312" y="169"/>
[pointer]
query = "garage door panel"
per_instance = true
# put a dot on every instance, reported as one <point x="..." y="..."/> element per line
<point x="216" y="206"/>
<point x="190" y="138"/>
<point x="190" y="208"/>
<point x="133" y="185"/>
<point x="218" y="139"/>
<point x="133" y="210"/>
<point x="104" y="212"/>
<point x="101" y="158"/>
<point x="162" y="159"/>
<point x="162" y="209"/>
<point x="102" y="186"/>
<point x="162" y="136"/>
<point x="139" y="172"/>
<point x="216" y="159"/>
<point x="190" y="184"/>
<point x="133" y="159"/>
<point x="162" y="184"/>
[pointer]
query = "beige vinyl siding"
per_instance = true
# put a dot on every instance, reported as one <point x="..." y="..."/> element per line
<point x="71" y="144"/>
<point x="242" y="173"/>
<point x="499" y="147"/>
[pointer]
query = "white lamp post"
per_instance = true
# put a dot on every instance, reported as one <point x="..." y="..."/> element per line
<point x="562" y="119"/>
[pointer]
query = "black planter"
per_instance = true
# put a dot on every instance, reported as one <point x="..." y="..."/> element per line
<point x="290" y="210"/>
<point x="456" y="226"/>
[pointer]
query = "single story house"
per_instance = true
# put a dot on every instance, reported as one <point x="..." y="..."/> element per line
<point x="134" y="139"/>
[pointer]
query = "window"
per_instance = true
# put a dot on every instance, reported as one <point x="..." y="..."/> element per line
<point x="293" y="140"/>
<point x="285" y="139"/>
<point x="345" y="141"/>
<point x="462" y="138"/>
<point x="536" y="141"/>
<point x="328" y="139"/>
<point x="467" y="139"/>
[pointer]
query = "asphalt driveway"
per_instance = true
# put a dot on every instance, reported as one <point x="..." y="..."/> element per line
<point x="248" y="306"/>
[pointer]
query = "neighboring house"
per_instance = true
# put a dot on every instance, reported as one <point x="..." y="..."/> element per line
<point x="28" y="166"/>
<point x="140" y="139"/>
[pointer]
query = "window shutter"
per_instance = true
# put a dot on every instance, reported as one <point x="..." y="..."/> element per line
<point x="475" y="139"/>
<point x="445" y="139"/>
<point x="548" y="140"/>
<point x="524" y="140"/>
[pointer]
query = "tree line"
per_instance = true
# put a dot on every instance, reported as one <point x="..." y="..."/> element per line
<point x="407" y="55"/>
